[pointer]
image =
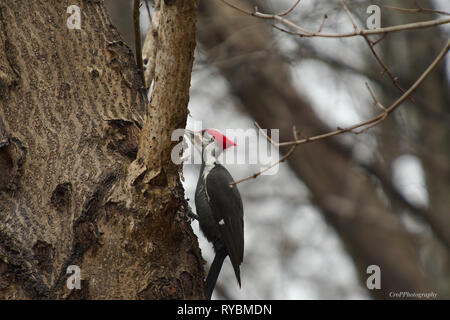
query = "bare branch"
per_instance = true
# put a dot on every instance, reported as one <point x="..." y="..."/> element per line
<point x="382" y="116"/>
<point x="374" y="43"/>
<point x="375" y="100"/>
<point x="372" y="49"/>
<point x="418" y="9"/>
<point x="303" y="32"/>
<point x="282" y="159"/>
<point x="325" y="17"/>
<point x="349" y="15"/>
<point x="261" y="130"/>
<point x="290" y="9"/>
<point x="366" y="125"/>
<point x="300" y="35"/>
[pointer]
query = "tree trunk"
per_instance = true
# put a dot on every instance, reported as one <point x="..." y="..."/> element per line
<point x="80" y="182"/>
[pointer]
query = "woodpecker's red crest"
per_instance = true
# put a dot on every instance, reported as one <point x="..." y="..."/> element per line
<point x="220" y="138"/>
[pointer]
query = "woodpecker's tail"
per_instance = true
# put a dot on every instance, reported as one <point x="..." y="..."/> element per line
<point x="213" y="273"/>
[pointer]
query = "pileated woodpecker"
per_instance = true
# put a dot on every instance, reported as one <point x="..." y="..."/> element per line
<point x="219" y="205"/>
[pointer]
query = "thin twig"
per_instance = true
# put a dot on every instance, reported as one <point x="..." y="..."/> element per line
<point x="303" y="32"/>
<point x="418" y="9"/>
<point x="374" y="43"/>
<point x="375" y="100"/>
<point x="290" y="9"/>
<point x="292" y="33"/>
<point x="261" y="130"/>
<point x="372" y="49"/>
<point x="382" y="116"/>
<point x="282" y="159"/>
<point x="376" y="123"/>
<point x="366" y="125"/>
<point x="349" y="15"/>
<point x="325" y="17"/>
<point x="385" y="68"/>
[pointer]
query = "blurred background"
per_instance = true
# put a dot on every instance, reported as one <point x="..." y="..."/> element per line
<point x="338" y="205"/>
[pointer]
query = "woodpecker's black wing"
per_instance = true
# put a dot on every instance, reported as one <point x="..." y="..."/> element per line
<point x="226" y="205"/>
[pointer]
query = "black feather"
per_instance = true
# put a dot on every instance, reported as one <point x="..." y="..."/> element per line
<point x="221" y="218"/>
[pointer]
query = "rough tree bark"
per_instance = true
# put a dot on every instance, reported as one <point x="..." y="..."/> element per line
<point x="71" y="112"/>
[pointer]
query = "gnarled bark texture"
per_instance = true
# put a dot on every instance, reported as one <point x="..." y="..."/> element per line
<point x="71" y="112"/>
